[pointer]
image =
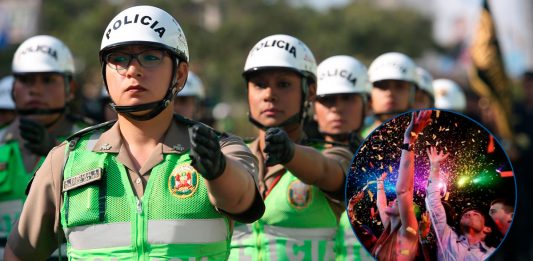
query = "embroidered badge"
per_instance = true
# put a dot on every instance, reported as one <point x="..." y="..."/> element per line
<point x="82" y="179"/>
<point x="183" y="181"/>
<point x="299" y="194"/>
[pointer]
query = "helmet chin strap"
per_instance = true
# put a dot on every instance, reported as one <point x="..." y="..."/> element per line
<point x="155" y="108"/>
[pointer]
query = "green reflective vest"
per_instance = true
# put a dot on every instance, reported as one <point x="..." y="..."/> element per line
<point x="104" y="220"/>
<point x="298" y="224"/>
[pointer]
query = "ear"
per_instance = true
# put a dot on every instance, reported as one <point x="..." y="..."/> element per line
<point x="487" y="230"/>
<point x="311" y="94"/>
<point x="72" y="90"/>
<point x="182" y="72"/>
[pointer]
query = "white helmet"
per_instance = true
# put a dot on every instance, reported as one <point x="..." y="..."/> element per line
<point x="193" y="87"/>
<point x="282" y="51"/>
<point x="145" y="25"/>
<point x="392" y="66"/>
<point x="6" y="100"/>
<point x="425" y="81"/>
<point x="342" y="74"/>
<point x="43" y="53"/>
<point x="449" y="95"/>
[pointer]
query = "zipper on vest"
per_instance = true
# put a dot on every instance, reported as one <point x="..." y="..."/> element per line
<point x="140" y="231"/>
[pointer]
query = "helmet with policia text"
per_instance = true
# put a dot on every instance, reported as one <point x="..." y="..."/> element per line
<point x="425" y="81"/>
<point x="6" y="100"/>
<point x="449" y="95"/>
<point x="285" y="52"/>
<point x="193" y="87"/>
<point x="44" y="54"/>
<point x="342" y="74"/>
<point x="41" y="54"/>
<point x="149" y="26"/>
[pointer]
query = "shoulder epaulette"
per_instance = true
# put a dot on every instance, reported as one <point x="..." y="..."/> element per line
<point x="80" y="119"/>
<point x="105" y="125"/>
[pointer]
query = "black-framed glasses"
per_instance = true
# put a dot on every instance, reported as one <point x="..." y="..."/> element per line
<point x="120" y="61"/>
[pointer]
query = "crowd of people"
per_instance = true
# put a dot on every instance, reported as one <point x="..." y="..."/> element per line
<point x="150" y="179"/>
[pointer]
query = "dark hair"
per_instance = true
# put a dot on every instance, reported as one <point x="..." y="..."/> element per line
<point x="508" y="207"/>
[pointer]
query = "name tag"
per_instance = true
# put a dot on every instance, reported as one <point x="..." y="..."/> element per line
<point x="82" y="179"/>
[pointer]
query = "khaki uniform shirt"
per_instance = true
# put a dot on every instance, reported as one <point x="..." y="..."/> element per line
<point x="62" y="128"/>
<point x="266" y="178"/>
<point x="39" y="232"/>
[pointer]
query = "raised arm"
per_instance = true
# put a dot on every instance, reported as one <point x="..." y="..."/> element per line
<point x="433" y="200"/>
<point x="381" y="200"/>
<point x="405" y="183"/>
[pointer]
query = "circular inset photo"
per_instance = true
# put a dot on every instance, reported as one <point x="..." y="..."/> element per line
<point x="430" y="185"/>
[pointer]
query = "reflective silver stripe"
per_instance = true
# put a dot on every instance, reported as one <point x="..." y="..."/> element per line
<point x="187" y="231"/>
<point x="99" y="236"/>
<point x="301" y="233"/>
<point x="242" y="231"/>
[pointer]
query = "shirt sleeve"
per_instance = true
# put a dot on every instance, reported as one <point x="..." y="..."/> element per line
<point x="234" y="148"/>
<point x="37" y="233"/>
<point x="437" y="211"/>
<point x="343" y="157"/>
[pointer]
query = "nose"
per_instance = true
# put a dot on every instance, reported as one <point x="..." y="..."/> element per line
<point x="269" y="94"/>
<point x="134" y="68"/>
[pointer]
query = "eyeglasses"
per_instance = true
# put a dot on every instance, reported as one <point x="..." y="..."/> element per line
<point x="120" y="61"/>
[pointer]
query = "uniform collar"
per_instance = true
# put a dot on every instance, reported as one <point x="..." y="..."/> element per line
<point x="176" y="139"/>
<point x="481" y="245"/>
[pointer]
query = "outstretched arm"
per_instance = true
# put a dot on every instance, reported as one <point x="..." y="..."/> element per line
<point x="306" y="163"/>
<point x="405" y="184"/>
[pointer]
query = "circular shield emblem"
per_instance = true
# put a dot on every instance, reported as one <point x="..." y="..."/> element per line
<point x="299" y="194"/>
<point x="183" y="181"/>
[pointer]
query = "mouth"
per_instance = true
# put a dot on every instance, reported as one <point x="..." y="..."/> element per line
<point x="270" y="112"/>
<point x="135" y="88"/>
<point x="35" y="104"/>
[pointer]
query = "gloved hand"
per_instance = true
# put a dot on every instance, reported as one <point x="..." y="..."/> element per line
<point x="37" y="138"/>
<point x="278" y="147"/>
<point x="207" y="158"/>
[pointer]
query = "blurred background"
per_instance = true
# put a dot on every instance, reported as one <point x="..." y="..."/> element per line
<point x="439" y="35"/>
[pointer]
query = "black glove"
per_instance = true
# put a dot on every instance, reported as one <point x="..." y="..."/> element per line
<point x="37" y="138"/>
<point x="278" y="147"/>
<point x="207" y="158"/>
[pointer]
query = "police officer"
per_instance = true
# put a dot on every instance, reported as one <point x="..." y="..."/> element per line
<point x="7" y="105"/>
<point x="393" y="78"/>
<point x="342" y="93"/>
<point x="302" y="188"/>
<point x="189" y="100"/>
<point x="43" y="85"/>
<point x="150" y="185"/>
<point x="425" y="95"/>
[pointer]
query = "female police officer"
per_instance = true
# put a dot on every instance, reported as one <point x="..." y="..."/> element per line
<point x="297" y="182"/>
<point x="150" y="186"/>
<point x="342" y="93"/>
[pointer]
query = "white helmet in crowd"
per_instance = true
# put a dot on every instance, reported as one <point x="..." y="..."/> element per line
<point x="425" y="81"/>
<point x="449" y="95"/>
<point x="281" y="51"/>
<point x="43" y="53"/>
<point x="342" y="74"/>
<point x="193" y="87"/>
<point x="392" y="66"/>
<point x="6" y="100"/>
<point x="146" y="25"/>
